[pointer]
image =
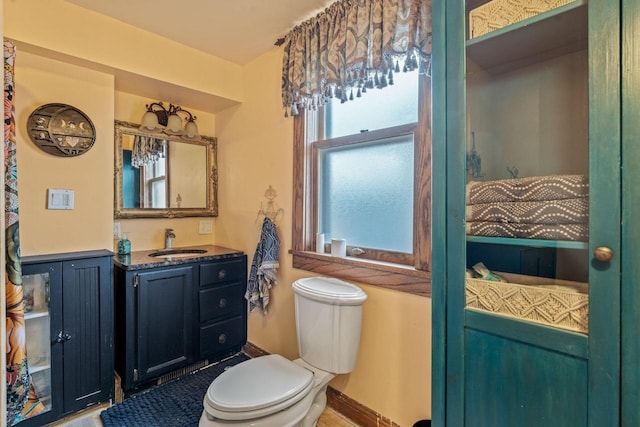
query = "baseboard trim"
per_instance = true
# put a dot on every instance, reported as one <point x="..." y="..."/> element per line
<point x="338" y="401"/>
<point x="355" y="411"/>
<point x="253" y="350"/>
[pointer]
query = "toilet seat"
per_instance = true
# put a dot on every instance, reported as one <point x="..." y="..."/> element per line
<point x="257" y="388"/>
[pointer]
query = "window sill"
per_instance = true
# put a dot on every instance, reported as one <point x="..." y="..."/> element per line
<point x="392" y="276"/>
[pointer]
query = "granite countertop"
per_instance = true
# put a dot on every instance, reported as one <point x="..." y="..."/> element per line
<point x="140" y="259"/>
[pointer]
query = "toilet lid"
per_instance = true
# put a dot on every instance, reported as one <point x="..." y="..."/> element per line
<point x="258" y="383"/>
<point x="329" y="290"/>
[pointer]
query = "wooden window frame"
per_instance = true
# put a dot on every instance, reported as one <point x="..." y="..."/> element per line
<point x="414" y="278"/>
<point x="147" y="184"/>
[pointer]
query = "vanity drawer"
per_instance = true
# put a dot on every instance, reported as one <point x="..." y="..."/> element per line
<point x="221" y="336"/>
<point x="221" y="301"/>
<point x="223" y="271"/>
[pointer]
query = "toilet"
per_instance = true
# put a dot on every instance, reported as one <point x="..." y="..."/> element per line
<point x="272" y="391"/>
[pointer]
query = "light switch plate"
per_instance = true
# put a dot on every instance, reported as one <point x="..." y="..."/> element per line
<point x="60" y="199"/>
<point x="205" y="227"/>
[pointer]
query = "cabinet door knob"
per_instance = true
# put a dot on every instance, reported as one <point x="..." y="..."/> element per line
<point x="222" y="338"/>
<point x="223" y="303"/>
<point x="603" y="254"/>
<point x="222" y="274"/>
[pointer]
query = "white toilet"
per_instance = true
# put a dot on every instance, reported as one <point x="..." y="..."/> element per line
<point x="271" y="391"/>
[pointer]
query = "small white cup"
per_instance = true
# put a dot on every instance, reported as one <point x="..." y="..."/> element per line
<point x="339" y="248"/>
<point x="320" y="243"/>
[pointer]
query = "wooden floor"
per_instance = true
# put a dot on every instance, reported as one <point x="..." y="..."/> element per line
<point x="329" y="418"/>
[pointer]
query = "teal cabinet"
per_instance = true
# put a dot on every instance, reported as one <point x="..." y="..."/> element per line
<point x="630" y="256"/>
<point x="533" y="170"/>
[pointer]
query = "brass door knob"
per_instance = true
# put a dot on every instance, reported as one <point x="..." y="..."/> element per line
<point x="603" y="254"/>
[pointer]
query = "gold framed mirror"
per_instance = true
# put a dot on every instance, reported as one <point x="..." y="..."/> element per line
<point x="163" y="176"/>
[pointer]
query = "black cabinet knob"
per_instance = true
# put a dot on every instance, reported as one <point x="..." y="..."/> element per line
<point x="223" y="303"/>
<point x="222" y="338"/>
<point x="222" y="274"/>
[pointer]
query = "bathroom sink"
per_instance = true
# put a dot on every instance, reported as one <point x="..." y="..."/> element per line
<point x="177" y="253"/>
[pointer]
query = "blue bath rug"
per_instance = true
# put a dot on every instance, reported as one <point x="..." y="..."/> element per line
<point x="177" y="403"/>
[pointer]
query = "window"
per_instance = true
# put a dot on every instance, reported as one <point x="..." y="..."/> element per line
<point x="155" y="181"/>
<point x="362" y="173"/>
<point x="365" y="192"/>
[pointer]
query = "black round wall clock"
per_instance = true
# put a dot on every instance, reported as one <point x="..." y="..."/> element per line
<point x="61" y="130"/>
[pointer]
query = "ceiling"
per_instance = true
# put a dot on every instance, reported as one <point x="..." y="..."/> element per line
<point x="235" y="30"/>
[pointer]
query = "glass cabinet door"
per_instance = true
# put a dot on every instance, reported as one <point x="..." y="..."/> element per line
<point x="527" y="162"/>
<point x="36" y="288"/>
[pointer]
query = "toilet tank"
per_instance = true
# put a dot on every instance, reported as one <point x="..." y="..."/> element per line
<point x="328" y="322"/>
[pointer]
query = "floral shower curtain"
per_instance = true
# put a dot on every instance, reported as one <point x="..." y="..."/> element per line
<point x="22" y="401"/>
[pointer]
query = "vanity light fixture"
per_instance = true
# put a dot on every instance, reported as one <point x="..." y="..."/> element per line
<point x="158" y="118"/>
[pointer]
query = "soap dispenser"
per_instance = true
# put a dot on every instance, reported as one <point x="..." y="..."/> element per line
<point x="124" y="245"/>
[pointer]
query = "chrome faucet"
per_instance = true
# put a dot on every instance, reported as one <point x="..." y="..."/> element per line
<point x="168" y="238"/>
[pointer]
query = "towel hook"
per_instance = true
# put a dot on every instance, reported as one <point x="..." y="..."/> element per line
<point x="271" y="211"/>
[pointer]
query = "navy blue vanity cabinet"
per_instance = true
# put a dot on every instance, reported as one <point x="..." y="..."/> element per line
<point x="173" y="316"/>
<point x="223" y="321"/>
<point x="154" y="318"/>
<point x="165" y="309"/>
<point x="69" y="321"/>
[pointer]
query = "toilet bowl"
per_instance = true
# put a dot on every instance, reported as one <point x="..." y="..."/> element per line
<point x="271" y="391"/>
<point x="268" y="391"/>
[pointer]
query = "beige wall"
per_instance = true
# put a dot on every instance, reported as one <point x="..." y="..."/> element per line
<point x="40" y="80"/>
<point x="189" y="174"/>
<point x="392" y="375"/>
<point x="88" y="226"/>
<point x="255" y="150"/>
<point x="59" y="27"/>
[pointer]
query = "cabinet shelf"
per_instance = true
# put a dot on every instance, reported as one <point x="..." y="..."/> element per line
<point x="553" y="33"/>
<point x="37" y="368"/>
<point x="538" y="243"/>
<point x="35" y="315"/>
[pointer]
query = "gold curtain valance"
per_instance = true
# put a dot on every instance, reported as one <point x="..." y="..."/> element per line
<point x="354" y="45"/>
